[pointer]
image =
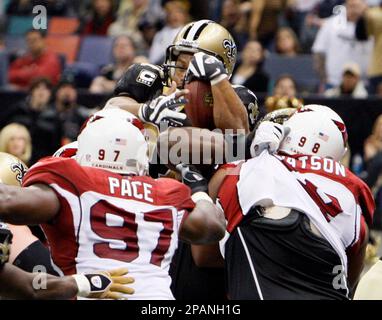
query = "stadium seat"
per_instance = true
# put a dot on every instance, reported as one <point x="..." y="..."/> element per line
<point x="15" y="44"/>
<point x="3" y="69"/>
<point x="64" y="44"/>
<point x="18" y="25"/>
<point x="83" y="73"/>
<point x="299" y="67"/>
<point x="59" y="25"/>
<point x="96" y="50"/>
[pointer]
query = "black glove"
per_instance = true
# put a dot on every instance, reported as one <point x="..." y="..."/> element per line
<point x="192" y="178"/>
<point x="5" y="243"/>
<point x="206" y="67"/>
<point x="164" y="109"/>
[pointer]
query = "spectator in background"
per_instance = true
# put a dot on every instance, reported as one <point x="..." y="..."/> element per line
<point x="286" y="42"/>
<point x="25" y="7"/>
<point x="373" y="144"/>
<point x="71" y="114"/>
<point x="373" y="163"/>
<point x="99" y="19"/>
<point x="285" y="86"/>
<point x="131" y="13"/>
<point x="300" y="9"/>
<point x="336" y="43"/>
<point x="176" y="18"/>
<point x="235" y="18"/>
<point x="38" y="115"/>
<point x="37" y="62"/>
<point x="16" y="140"/>
<point x="148" y="28"/>
<point x="378" y="92"/>
<point x="249" y="72"/>
<point x="123" y="55"/>
<point x="370" y="25"/>
<point x="264" y="19"/>
<point x="351" y="84"/>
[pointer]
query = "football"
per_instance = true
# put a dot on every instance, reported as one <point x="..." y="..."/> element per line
<point x="199" y="108"/>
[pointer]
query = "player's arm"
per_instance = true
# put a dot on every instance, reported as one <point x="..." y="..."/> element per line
<point x="356" y="256"/>
<point x="229" y="111"/>
<point x="28" y="205"/>
<point x="190" y="143"/>
<point x="18" y="284"/>
<point x="209" y="255"/>
<point x="139" y="91"/>
<point x="205" y="223"/>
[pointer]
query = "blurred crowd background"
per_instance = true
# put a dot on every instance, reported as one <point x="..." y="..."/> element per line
<point x="289" y="51"/>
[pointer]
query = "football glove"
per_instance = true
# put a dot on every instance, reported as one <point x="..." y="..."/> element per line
<point x="5" y="243"/>
<point x="192" y="178"/>
<point x="206" y="67"/>
<point x="268" y="136"/>
<point x="164" y="110"/>
<point x="104" y="284"/>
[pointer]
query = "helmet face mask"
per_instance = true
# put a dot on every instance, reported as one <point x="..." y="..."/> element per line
<point x="315" y="130"/>
<point x="202" y="36"/>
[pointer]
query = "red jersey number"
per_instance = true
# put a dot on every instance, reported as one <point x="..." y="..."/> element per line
<point x="328" y="204"/>
<point x="127" y="232"/>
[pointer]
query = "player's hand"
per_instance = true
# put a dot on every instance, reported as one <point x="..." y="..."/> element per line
<point x="192" y="178"/>
<point x="268" y="136"/>
<point x="104" y="284"/>
<point x="5" y="243"/>
<point x="206" y="67"/>
<point x="164" y="110"/>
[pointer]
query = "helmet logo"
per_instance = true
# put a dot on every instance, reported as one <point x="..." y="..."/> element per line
<point x="146" y="77"/>
<point x="20" y="171"/>
<point x="230" y="46"/>
<point x="341" y="126"/>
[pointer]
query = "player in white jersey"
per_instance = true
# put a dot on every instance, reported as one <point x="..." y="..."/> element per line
<point x="297" y="221"/>
<point x="99" y="211"/>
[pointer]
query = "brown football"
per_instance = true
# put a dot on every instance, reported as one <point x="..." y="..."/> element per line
<point x="199" y="108"/>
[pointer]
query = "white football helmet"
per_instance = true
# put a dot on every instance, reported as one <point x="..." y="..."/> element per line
<point x="113" y="143"/>
<point x="315" y="130"/>
<point x="67" y="151"/>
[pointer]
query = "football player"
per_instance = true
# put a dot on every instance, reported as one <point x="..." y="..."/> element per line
<point x="18" y="284"/>
<point x="101" y="211"/>
<point x="203" y="50"/>
<point x="297" y="220"/>
<point x="28" y="252"/>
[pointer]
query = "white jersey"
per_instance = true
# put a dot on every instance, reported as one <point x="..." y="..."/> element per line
<point x="108" y="221"/>
<point x="330" y="195"/>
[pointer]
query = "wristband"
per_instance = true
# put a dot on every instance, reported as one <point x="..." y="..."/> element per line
<point x="200" y="195"/>
<point x="82" y="284"/>
<point x="218" y="79"/>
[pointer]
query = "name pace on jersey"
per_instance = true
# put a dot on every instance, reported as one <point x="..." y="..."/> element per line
<point x="316" y="164"/>
<point x="130" y="188"/>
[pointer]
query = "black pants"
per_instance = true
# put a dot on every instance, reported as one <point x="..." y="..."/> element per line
<point x="190" y="282"/>
<point x="280" y="259"/>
